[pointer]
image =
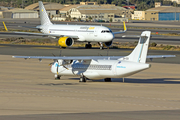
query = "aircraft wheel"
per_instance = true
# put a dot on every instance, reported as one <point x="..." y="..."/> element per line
<point x="62" y="47"/>
<point x="88" y="46"/>
<point x="82" y="79"/>
<point x="101" y="48"/>
<point x="107" y="79"/>
<point x="57" y="77"/>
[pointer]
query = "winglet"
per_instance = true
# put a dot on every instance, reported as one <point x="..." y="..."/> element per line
<point x="5" y="26"/>
<point x="124" y="26"/>
<point x="125" y="29"/>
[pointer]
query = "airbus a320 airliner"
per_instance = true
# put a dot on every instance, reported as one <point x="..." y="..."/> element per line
<point x="67" y="34"/>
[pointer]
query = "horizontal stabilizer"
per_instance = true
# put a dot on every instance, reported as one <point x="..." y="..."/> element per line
<point x="45" y="34"/>
<point x="160" y="56"/>
<point x="30" y="27"/>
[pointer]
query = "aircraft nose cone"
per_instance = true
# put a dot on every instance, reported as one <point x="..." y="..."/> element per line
<point x="111" y="36"/>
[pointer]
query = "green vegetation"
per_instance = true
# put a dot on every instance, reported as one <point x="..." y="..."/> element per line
<point x="141" y="4"/>
<point x="111" y="20"/>
<point x="115" y="45"/>
<point x="153" y="44"/>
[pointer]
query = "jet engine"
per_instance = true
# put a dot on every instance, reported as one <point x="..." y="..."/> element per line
<point x="65" y="42"/>
<point x="108" y="44"/>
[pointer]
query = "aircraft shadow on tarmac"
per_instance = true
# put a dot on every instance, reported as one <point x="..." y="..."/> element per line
<point x="120" y="80"/>
<point x="55" y="84"/>
<point x="131" y="80"/>
<point x="95" y="48"/>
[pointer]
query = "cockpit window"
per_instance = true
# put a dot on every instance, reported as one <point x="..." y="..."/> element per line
<point x="105" y="31"/>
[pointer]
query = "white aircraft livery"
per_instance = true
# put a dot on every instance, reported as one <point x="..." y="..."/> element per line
<point x="67" y="34"/>
<point x="103" y="67"/>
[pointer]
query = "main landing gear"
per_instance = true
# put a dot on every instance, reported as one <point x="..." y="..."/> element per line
<point x="82" y="79"/>
<point x="107" y="79"/>
<point x="88" y="46"/>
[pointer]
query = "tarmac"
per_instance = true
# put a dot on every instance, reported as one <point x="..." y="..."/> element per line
<point x="28" y="91"/>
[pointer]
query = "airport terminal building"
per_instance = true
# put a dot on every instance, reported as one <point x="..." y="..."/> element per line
<point x="20" y="13"/>
<point x="52" y="9"/>
<point x="96" y="12"/>
<point x="89" y="11"/>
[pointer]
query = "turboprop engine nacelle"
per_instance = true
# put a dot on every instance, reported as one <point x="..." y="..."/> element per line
<point x="64" y="62"/>
<point x="107" y="44"/>
<point x="65" y="41"/>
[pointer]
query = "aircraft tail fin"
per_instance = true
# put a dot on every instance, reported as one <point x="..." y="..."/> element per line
<point x="139" y="54"/>
<point x="43" y="15"/>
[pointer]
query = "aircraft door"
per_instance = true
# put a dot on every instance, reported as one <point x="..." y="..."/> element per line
<point x="114" y="70"/>
<point x="96" y="32"/>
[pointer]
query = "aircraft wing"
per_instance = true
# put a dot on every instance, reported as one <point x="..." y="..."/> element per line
<point x="159" y="56"/>
<point x="46" y="35"/>
<point x="87" y="57"/>
<point x="40" y="34"/>
<point x="70" y="57"/>
<point x="125" y="29"/>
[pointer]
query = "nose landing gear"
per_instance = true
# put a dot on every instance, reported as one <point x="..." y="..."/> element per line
<point x="101" y="45"/>
<point x="57" y="77"/>
<point x="82" y="79"/>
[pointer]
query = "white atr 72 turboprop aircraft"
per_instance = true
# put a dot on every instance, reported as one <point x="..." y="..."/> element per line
<point x="67" y="34"/>
<point x="103" y="67"/>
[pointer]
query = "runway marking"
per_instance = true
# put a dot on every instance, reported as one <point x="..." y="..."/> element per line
<point x="89" y="99"/>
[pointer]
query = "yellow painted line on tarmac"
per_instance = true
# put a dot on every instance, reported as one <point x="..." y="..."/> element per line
<point x="43" y="48"/>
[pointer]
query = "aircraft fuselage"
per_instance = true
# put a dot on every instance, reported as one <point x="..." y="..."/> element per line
<point x="99" y="69"/>
<point x="84" y="32"/>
